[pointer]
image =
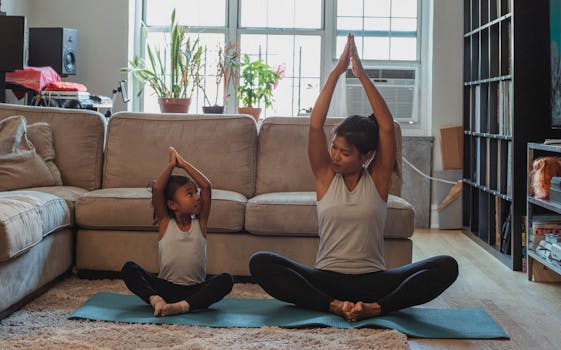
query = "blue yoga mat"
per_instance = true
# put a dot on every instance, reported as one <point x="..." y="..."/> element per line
<point x="253" y="313"/>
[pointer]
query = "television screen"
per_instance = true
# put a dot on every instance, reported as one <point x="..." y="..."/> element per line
<point x="555" y="36"/>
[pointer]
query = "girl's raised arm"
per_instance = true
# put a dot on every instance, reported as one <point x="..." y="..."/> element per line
<point x="158" y="193"/>
<point x="204" y="184"/>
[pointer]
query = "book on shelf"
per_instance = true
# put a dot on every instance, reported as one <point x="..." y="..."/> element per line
<point x="552" y="142"/>
<point x="498" y="223"/>
<point x="509" y="169"/>
<point x="477" y="108"/>
<point x="542" y="225"/>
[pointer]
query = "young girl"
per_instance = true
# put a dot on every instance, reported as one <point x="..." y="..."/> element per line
<point x="352" y="187"/>
<point x="182" y="215"/>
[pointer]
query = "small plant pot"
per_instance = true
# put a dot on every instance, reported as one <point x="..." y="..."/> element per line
<point x="252" y="111"/>
<point x="213" y="109"/>
<point x="174" y="105"/>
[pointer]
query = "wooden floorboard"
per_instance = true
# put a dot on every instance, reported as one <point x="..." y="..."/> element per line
<point x="529" y="312"/>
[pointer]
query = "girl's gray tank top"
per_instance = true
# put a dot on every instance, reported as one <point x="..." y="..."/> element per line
<point x="183" y="254"/>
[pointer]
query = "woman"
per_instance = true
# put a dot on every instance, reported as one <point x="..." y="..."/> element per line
<point x="352" y="186"/>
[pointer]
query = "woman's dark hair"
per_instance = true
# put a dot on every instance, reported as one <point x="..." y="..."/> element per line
<point x="359" y="131"/>
<point x="174" y="182"/>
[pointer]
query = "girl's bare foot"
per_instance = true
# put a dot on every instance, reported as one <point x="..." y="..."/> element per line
<point x="362" y="310"/>
<point x="181" y="307"/>
<point x="341" y="308"/>
<point x="157" y="303"/>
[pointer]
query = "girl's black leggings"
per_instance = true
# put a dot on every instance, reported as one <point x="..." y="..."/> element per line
<point x="392" y="289"/>
<point x="199" y="296"/>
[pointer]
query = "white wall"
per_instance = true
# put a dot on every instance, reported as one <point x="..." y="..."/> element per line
<point x="102" y="37"/>
<point x="16" y="7"/>
<point x="446" y="65"/>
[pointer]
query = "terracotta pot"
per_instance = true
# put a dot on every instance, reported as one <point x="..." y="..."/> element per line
<point x="174" y="105"/>
<point x="213" y="109"/>
<point x="252" y="111"/>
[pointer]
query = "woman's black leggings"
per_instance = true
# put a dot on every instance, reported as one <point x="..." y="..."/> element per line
<point x="393" y="289"/>
<point x="199" y="296"/>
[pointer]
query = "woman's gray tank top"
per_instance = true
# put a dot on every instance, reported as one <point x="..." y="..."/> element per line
<point x="351" y="227"/>
<point x="183" y="254"/>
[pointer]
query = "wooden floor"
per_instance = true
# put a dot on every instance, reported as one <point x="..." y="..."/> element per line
<point x="529" y="312"/>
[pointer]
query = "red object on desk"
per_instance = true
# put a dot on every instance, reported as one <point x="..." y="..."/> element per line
<point x="34" y="78"/>
<point x="65" y="86"/>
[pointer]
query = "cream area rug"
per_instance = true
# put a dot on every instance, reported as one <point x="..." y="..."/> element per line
<point x="43" y="324"/>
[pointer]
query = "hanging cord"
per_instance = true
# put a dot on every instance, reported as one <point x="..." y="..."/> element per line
<point x="428" y="177"/>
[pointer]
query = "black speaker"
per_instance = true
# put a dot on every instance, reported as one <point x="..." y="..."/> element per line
<point x="55" y="47"/>
<point x="13" y="43"/>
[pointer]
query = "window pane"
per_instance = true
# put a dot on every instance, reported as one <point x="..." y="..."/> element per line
<point x="300" y="55"/>
<point x="349" y="7"/>
<point x="377" y="8"/>
<point x="281" y="14"/>
<point x="349" y="23"/>
<point x="403" y="49"/>
<point x="376" y="48"/>
<point x="404" y="8"/>
<point x="378" y="24"/>
<point x="211" y="13"/>
<point x="404" y="24"/>
<point x="381" y="22"/>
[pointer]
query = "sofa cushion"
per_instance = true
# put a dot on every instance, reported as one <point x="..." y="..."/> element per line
<point x="400" y="222"/>
<point x="78" y="136"/>
<point x="20" y="165"/>
<point x="295" y="214"/>
<point x="41" y="136"/>
<point x="282" y="155"/>
<point x="282" y="213"/>
<point x="26" y="217"/>
<point x="222" y="147"/>
<point x="69" y="193"/>
<point x="131" y="209"/>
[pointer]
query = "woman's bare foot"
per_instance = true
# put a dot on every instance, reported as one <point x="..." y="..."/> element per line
<point x="340" y="308"/>
<point x="362" y="310"/>
<point x="157" y="303"/>
<point x="181" y="307"/>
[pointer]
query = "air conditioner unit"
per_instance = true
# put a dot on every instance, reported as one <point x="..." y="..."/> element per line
<point x="399" y="87"/>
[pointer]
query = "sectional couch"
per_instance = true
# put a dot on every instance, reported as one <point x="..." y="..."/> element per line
<point x="101" y="216"/>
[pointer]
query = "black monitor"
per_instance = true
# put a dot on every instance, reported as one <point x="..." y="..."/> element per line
<point x="13" y="43"/>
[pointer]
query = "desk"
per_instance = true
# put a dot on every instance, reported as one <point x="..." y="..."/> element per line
<point x="75" y="99"/>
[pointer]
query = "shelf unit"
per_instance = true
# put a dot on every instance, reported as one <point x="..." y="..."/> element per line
<point x="506" y="105"/>
<point x="535" y="205"/>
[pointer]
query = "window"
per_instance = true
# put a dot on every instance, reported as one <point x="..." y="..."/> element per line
<point x="304" y="36"/>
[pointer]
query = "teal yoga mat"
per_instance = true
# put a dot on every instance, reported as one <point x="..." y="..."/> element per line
<point x="252" y="313"/>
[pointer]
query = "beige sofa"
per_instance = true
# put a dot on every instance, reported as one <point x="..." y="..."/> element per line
<point x="37" y="224"/>
<point x="262" y="192"/>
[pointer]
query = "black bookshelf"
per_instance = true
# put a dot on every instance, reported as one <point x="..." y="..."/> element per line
<point x="506" y="105"/>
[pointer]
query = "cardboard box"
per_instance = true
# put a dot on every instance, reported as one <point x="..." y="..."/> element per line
<point x="451" y="147"/>
<point x="450" y="215"/>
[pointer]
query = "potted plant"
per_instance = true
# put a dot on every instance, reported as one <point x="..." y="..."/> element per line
<point x="173" y="72"/>
<point x="257" y="85"/>
<point x="227" y="68"/>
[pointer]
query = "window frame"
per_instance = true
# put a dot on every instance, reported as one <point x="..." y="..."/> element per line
<point x="328" y="45"/>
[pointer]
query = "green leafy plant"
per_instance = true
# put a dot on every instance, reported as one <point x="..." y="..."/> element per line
<point x="174" y="70"/>
<point x="258" y="80"/>
<point x="227" y="68"/>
